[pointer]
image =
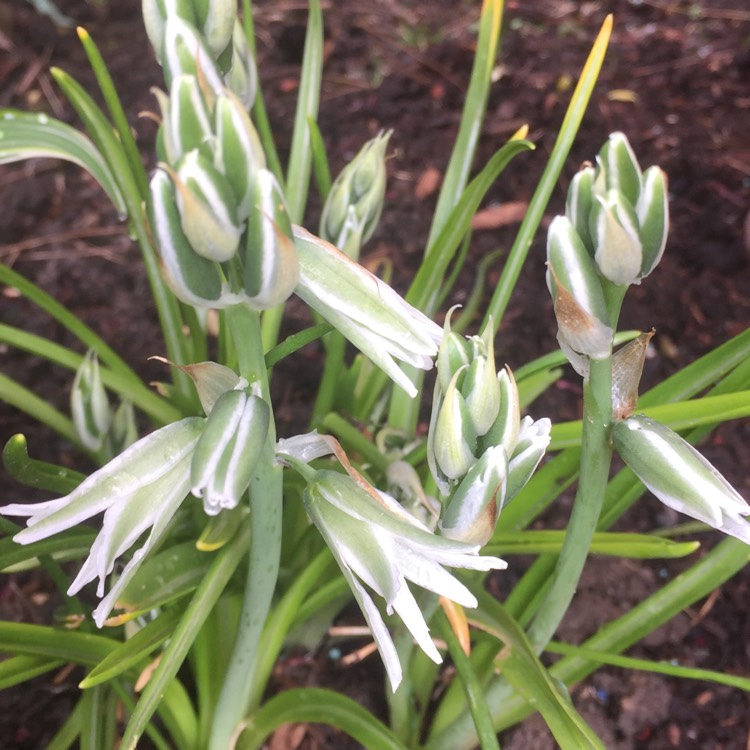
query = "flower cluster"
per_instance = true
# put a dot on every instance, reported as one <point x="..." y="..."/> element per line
<point x="380" y="548"/>
<point x="218" y="214"/>
<point x="142" y="488"/>
<point x="613" y="234"/>
<point x="480" y="452"/>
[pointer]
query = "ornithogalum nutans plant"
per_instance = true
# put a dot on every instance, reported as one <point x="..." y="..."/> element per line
<point x="220" y="544"/>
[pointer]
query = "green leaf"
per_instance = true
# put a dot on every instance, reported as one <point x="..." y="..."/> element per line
<point x="123" y="382"/>
<point x="472" y="685"/>
<point x="522" y="668"/>
<point x="18" y="669"/>
<point x="69" y="545"/>
<point x="39" y="474"/>
<point x="163" y="578"/>
<point x="549" y="179"/>
<point x="425" y="288"/>
<point x="134" y="651"/>
<point x="633" y="546"/>
<point x="300" y="155"/>
<point x="210" y="589"/>
<point x="472" y="119"/>
<point x="24" y="135"/>
<point x="646" y="665"/>
<point x="318" y="706"/>
<point x="114" y="105"/>
<point x="22" y="398"/>
<point x="296" y="341"/>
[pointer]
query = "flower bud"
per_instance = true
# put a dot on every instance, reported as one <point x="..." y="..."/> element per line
<point x="155" y="14"/>
<point x="617" y="244"/>
<point x="471" y="513"/>
<point x="453" y="440"/>
<point x="577" y="294"/>
<point x="228" y="450"/>
<point x="242" y="76"/>
<point x="652" y="210"/>
<point x="186" y="122"/>
<point x="679" y="476"/>
<point x="185" y="52"/>
<point x="193" y="278"/>
<point x="89" y="404"/>
<point x="505" y="427"/>
<point x="620" y="168"/>
<point x="215" y="21"/>
<point x="238" y="151"/>
<point x="208" y="212"/>
<point x="354" y="203"/>
<point x="579" y="203"/>
<point x="123" y="431"/>
<point x="533" y="439"/>
<point x="270" y="259"/>
<point x="480" y="385"/>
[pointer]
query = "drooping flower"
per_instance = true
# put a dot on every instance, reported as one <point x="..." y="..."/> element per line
<point x="140" y="489"/>
<point x="380" y="548"/>
<point x="368" y="312"/>
<point x="680" y="476"/>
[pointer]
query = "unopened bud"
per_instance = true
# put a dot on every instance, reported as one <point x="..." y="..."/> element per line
<point x="652" y="210"/>
<point x="89" y="404"/>
<point x="453" y="441"/>
<point x="193" y="278"/>
<point x="207" y="208"/>
<point x="123" y="431"/>
<point x="680" y="476"/>
<point x="270" y="259"/>
<point x="504" y="429"/>
<point x="471" y="513"/>
<point x="577" y="293"/>
<point x="239" y="154"/>
<point x="228" y="450"/>
<point x="215" y="20"/>
<point x="533" y="439"/>
<point x="620" y="167"/>
<point x="355" y="200"/>
<point x="614" y="232"/>
<point x="155" y="14"/>
<point x="186" y="122"/>
<point x="579" y="202"/>
<point x="186" y="53"/>
<point x="242" y="76"/>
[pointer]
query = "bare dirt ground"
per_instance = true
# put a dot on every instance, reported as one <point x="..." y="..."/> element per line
<point x="676" y="81"/>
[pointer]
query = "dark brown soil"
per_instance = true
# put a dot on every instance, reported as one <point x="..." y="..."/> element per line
<point x="676" y="81"/>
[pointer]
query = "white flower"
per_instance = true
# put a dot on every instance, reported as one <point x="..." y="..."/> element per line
<point x="140" y="489"/>
<point x="680" y="476"/>
<point x="377" y="320"/>
<point x="380" y="547"/>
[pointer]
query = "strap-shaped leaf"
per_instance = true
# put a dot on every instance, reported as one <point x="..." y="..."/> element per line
<point x="133" y="651"/>
<point x="522" y="668"/>
<point x="25" y="135"/>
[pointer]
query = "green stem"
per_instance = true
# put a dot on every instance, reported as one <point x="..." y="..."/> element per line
<point x="596" y="456"/>
<point x="265" y="548"/>
<point x="333" y="370"/>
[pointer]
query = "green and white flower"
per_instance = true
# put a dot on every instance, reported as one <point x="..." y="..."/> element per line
<point x="141" y="489"/>
<point x="679" y="476"/>
<point x="380" y="548"/>
<point x="89" y="404"/>
<point x="368" y="312"/>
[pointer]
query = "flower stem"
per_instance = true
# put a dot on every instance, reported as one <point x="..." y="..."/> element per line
<point x="265" y="547"/>
<point x="596" y="456"/>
